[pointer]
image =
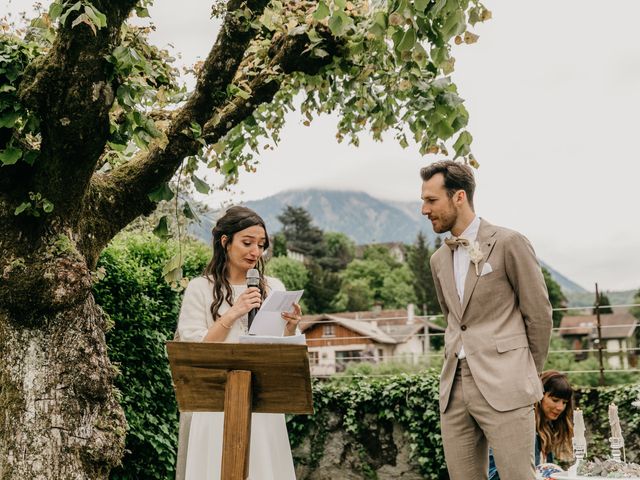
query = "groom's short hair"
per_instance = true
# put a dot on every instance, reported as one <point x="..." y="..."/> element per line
<point x="457" y="176"/>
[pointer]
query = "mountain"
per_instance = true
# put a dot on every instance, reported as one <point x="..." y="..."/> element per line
<point x="569" y="287"/>
<point x="365" y="219"/>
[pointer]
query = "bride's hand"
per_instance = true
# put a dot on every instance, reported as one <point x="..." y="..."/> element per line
<point x="292" y="318"/>
<point x="248" y="300"/>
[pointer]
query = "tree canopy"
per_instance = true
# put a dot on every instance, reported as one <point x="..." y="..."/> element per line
<point x="95" y="130"/>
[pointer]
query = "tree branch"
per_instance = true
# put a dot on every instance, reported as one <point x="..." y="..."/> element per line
<point x="120" y="196"/>
<point x="69" y="91"/>
<point x="116" y="198"/>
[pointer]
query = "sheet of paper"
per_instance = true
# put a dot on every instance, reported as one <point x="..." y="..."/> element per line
<point x="268" y="320"/>
<point x="292" y="340"/>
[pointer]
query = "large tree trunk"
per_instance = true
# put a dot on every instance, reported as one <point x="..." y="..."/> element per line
<point x="60" y="414"/>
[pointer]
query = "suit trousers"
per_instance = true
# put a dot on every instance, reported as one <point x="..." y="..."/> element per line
<point x="469" y="425"/>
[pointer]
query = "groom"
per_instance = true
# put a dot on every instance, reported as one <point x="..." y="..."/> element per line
<point x="493" y="296"/>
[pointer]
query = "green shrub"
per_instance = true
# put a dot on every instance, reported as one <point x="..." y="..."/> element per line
<point x="409" y="400"/>
<point x="143" y="310"/>
<point x="364" y="404"/>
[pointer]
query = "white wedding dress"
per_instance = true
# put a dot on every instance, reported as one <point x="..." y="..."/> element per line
<point x="270" y="453"/>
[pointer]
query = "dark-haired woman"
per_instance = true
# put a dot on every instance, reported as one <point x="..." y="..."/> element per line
<point x="214" y="309"/>
<point x="554" y="422"/>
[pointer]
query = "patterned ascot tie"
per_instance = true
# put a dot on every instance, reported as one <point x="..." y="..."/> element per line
<point x="455" y="242"/>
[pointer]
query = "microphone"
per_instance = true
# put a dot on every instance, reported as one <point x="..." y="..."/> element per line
<point x="253" y="280"/>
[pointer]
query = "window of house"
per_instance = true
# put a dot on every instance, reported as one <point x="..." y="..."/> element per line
<point x="328" y="331"/>
<point x="347" y="356"/>
<point x="314" y="358"/>
<point x="380" y="354"/>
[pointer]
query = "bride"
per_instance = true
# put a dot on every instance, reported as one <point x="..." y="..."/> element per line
<point x="214" y="309"/>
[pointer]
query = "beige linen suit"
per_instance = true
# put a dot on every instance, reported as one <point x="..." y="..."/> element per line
<point x="504" y="322"/>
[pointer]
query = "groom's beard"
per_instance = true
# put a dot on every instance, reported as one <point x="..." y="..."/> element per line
<point x="445" y="221"/>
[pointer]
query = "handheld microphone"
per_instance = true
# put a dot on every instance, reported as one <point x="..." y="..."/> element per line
<point x="253" y="280"/>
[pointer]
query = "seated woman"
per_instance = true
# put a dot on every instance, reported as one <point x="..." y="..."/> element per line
<point x="554" y="422"/>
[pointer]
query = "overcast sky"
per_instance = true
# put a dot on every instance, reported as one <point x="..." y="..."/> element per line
<point x="553" y="93"/>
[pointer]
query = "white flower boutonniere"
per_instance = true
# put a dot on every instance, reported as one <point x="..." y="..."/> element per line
<point x="475" y="254"/>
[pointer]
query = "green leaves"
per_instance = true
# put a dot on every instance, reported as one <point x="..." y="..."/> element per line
<point x="408" y="40"/>
<point x="163" y="192"/>
<point x="201" y="186"/>
<point x="462" y="146"/>
<point x="162" y="229"/>
<point x="35" y="207"/>
<point x="10" y="155"/>
<point x="86" y="14"/>
<point x="321" y="12"/>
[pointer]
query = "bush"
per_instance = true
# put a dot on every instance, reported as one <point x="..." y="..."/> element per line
<point x="363" y="406"/>
<point x="143" y="311"/>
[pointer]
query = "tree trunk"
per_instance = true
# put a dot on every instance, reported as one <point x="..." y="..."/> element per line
<point x="59" y="413"/>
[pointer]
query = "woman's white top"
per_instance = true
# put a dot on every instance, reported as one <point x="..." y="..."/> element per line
<point x="270" y="453"/>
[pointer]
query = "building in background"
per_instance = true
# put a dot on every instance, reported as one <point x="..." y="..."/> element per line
<point x="336" y="339"/>
<point x="617" y="333"/>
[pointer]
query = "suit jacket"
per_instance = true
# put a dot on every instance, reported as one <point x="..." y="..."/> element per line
<point x="504" y="321"/>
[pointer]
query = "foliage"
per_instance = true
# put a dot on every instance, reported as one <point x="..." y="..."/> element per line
<point x="397" y="288"/>
<point x="340" y="250"/>
<point x="362" y="406"/>
<point x="378" y="277"/>
<point x="595" y="405"/>
<point x="321" y="289"/>
<point x="300" y="233"/>
<point x="604" y="304"/>
<point x="18" y="125"/>
<point x="143" y="310"/>
<point x="291" y="272"/>
<point x="635" y="311"/>
<point x="393" y="73"/>
<point x="556" y="297"/>
<point x="418" y="260"/>
<point x="279" y="245"/>
<point x="565" y="361"/>
<point x="364" y="403"/>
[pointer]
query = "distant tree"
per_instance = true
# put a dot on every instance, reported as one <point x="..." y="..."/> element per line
<point x="354" y="296"/>
<point x="300" y="233"/>
<point x="556" y="297"/>
<point x="381" y="253"/>
<point x="392" y="286"/>
<point x="292" y="273"/>
<point x="279" y="245"/>
<point x="423" y="286"/>
<point x="321" y="289"/>
<point x="635" y="311"/>
<point x="397" y="288"/>
<point x="340" y="250"/>
<point x="604" y="304"/>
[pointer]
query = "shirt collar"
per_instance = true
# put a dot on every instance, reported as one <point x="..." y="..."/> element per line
<point x="471" y="232"/>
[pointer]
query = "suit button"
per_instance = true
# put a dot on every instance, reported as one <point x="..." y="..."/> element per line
<point x="463" y="328"/>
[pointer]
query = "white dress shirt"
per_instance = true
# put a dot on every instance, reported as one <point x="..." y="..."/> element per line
<point x="461" y="263"/>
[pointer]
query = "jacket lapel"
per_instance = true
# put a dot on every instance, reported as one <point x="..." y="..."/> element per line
<point x="449" y="289"/>
<point x="486" y="238"/>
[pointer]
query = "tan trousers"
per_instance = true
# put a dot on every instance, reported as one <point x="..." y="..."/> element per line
<point x="470" y="425"/>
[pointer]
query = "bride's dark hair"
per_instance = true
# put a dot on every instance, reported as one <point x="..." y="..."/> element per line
<point x="234" y="220"/>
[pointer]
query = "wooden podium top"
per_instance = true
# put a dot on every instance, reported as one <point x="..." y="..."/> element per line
<point x="281" y="382"/>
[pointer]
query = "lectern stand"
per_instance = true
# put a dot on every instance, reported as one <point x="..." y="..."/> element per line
<point x="239" y="379"/>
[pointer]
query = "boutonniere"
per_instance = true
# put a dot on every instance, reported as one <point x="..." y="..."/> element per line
<point x="475" y="254"/>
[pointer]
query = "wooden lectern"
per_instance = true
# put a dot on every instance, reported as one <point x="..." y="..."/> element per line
<point x="239" y="379"/>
